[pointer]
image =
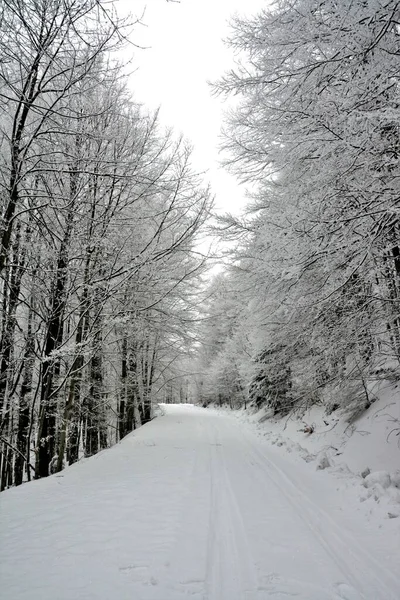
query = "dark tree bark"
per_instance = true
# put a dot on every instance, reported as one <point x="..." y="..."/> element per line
<point x="124" y="383"/>
<point x="45" y="447"/>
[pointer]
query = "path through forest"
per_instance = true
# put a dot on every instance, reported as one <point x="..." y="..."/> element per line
<point x="191" y="506"/>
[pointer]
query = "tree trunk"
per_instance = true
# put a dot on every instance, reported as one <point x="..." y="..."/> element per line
<point x="45" y="446"/>
<point x="95" y="410"/>
<point x="10" y="304"/>
<point x="24" y="412"/>
<point x="122" y="401"/>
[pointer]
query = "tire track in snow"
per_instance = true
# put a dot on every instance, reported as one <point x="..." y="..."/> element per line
<point x="184" y="570"/>
<point x="251" y="500"/>
<point x="245" y="561"/>
<point x="337" y="543"/>
<point x="230" y="572"/>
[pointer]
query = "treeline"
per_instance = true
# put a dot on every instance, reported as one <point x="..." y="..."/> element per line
<point x="99" y="215"/>
<point x="312" y="294"/>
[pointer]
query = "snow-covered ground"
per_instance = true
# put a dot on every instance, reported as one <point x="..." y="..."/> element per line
<point x="364" y="456"/>
<point x="194" y="505"/>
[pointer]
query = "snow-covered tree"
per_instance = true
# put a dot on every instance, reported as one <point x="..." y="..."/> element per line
<point x="315" y="132"/>
<point x="101" y="210"/>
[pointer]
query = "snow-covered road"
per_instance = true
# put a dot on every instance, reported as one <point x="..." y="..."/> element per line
<point x="191" y="506"/>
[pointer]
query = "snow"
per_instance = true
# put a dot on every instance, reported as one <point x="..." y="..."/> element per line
<point x="363" y="456"/>
<point x="195" y="505"/>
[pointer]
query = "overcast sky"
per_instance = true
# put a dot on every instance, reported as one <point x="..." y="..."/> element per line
<point x="185" y="50"/>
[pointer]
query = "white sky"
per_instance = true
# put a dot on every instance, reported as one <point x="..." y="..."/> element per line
<point x="184" y="51"/>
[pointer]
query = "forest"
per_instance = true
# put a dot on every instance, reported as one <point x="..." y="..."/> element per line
<point x="101" y="209"/>
<point x="307" y="309"/>
<point x="108" y="305"/>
